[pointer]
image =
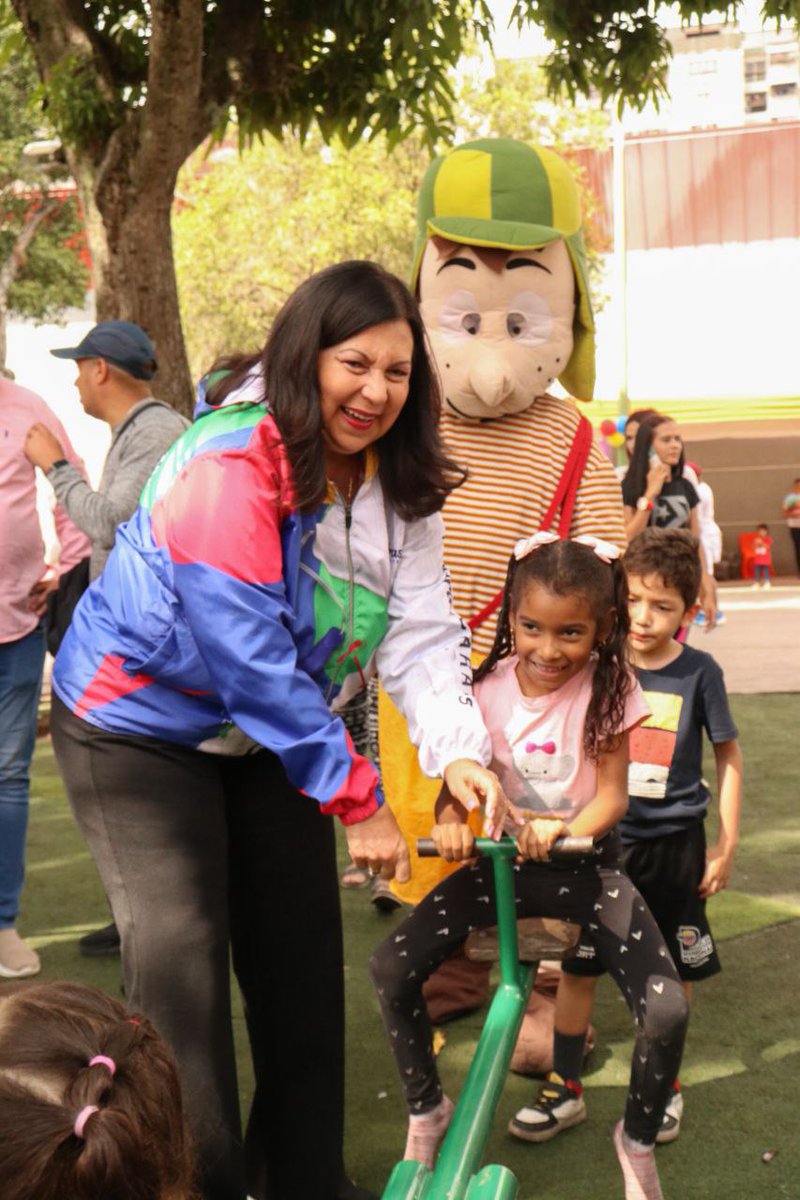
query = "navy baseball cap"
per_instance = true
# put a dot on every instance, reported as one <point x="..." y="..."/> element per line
<point x="119" y="342"/>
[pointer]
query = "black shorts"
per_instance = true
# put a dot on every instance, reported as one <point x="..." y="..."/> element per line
<point x="667" y="871"/>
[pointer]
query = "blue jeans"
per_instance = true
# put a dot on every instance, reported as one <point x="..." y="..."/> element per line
<point x="761" y="573"/>
<point x="21" y="664"/>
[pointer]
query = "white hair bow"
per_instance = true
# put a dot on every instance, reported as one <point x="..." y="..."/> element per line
<point x="526" y="546"/>
<point x="604" y="550"/>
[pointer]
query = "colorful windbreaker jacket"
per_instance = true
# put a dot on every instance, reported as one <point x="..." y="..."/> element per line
<point x="223" y="610"/>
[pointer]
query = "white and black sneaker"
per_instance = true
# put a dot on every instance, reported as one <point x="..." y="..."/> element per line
<point x="671" y="1121"/>
<point x="558" y="1106"/>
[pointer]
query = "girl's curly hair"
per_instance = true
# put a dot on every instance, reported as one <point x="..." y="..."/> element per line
<point x="568" y="568"/>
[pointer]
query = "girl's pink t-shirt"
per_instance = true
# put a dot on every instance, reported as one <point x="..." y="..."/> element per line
<point x="537" y="742"/>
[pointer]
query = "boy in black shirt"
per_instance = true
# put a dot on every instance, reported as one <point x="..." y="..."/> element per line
<point x="662" y="833"/>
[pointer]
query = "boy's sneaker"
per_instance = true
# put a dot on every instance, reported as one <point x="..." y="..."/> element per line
<point x="558" y="1106"/>
<point x="671" y="1121"/>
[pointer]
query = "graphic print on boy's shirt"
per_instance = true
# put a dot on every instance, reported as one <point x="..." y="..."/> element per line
<point x="652" y="745"/>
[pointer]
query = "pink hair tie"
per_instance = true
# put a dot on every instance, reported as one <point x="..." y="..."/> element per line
<point x="82" y="1118"/>
<point x="105" y="1061"/>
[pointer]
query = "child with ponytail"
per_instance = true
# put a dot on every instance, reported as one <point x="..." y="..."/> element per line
<point x="90" y="1104"/>
<point x="558" y="699"/>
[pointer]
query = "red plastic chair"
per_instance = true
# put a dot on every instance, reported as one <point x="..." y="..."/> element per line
<point x="746" y="554"/>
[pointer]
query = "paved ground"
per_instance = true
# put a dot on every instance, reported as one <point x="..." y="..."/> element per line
<point x="758" y="647"/>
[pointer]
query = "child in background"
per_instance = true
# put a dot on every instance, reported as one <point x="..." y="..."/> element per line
<point x="762" y="558"/>
<point x="662" y="833"/>
<point x="559" y="701"/>
<point x="90" y="1105"/>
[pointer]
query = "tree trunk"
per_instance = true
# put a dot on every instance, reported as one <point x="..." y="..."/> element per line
<point x="130" y="239"/>
<point x="127" y="169"/>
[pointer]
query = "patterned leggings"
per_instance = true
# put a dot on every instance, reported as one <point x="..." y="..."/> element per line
<point x="589" y="893"/>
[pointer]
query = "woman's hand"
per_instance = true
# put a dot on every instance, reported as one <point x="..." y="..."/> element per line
<point x="473" y="785"/>
<point x="537" y="836"/>
<point x="454" y="841"/>
<point x="377" y="845"/>
<point x="657" y="476"/>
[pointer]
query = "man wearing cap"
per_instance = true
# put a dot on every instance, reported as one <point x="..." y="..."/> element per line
<point x="116" y="360"/>
<point x="500" y="271"/>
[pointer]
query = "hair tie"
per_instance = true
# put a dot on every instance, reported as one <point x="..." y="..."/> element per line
<point x="105" y="1061"/>
<point x="605" y="550"/>
<point x="82" y="1118"/>
<point x="526" y="546"/>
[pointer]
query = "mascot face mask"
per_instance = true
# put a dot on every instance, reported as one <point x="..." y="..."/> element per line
<point x="499" y="323"/>
<point x="500" y="269"/>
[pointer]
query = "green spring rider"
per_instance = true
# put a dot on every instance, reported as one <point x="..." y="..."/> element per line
<point x="458" y="1174"/>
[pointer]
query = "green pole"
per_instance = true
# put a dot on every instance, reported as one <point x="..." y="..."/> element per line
<point x="462" y="1149"/>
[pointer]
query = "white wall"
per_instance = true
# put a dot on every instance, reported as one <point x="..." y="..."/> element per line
<point x="705" y="321"/>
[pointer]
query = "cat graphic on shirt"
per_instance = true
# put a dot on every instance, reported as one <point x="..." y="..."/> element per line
<point x="543" y="772"/>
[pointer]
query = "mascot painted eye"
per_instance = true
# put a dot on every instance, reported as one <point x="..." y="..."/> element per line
<point x="529" y="320"/>
<point x="459" y="316"/>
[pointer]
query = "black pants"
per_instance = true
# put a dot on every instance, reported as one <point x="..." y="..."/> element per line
<point x="795" y="532"/>
<point x="198" y="854"/>
<point x="626" y="935"/>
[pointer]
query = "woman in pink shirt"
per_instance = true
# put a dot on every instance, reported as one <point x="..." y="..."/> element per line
<point x="24" y="583"/>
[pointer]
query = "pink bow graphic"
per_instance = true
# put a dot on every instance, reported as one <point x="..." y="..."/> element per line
<point x="547" y="747"/>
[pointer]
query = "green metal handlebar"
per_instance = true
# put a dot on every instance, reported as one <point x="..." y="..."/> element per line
<point x="563" y="847"/>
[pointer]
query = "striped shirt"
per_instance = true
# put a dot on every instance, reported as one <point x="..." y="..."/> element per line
<point x="515" y="463"/>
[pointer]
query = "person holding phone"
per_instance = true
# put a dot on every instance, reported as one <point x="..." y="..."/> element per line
<point x="656" y="492"/>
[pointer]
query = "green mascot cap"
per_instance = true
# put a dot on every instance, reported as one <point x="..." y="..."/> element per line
<point x="504" y="194"/>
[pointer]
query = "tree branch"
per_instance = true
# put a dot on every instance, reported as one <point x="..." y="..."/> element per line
<point x="16" y="258"/>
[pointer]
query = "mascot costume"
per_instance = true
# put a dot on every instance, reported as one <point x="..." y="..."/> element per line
<point x="500" y="271"/>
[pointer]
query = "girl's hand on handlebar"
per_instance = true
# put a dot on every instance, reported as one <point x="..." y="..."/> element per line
<point x="537" y="837"/>
<point x="454" y="841"/>
<point x="377" y="845"/>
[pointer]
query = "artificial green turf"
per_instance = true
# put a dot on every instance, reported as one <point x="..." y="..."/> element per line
<point x="741" y="1073"/>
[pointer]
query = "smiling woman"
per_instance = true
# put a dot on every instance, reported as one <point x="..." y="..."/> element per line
<point x="288" y="547"/>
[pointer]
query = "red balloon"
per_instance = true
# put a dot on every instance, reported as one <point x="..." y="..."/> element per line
<point x="607" y="428"/>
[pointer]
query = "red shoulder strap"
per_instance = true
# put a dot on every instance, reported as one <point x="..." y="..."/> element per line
<point x="564" y="496"/>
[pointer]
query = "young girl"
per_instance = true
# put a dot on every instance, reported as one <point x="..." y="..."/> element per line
<point x="90" y="1104"/>
<point x="762" y="558"/>
<point x="558" y="699"/>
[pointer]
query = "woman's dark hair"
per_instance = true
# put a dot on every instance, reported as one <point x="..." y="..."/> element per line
<point x="568" y="568"/>
<point x="639" y="415"/>
<point x="330" y="307"/>
<point x="634" y="484"/>
<point x="135" y="1147"/>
